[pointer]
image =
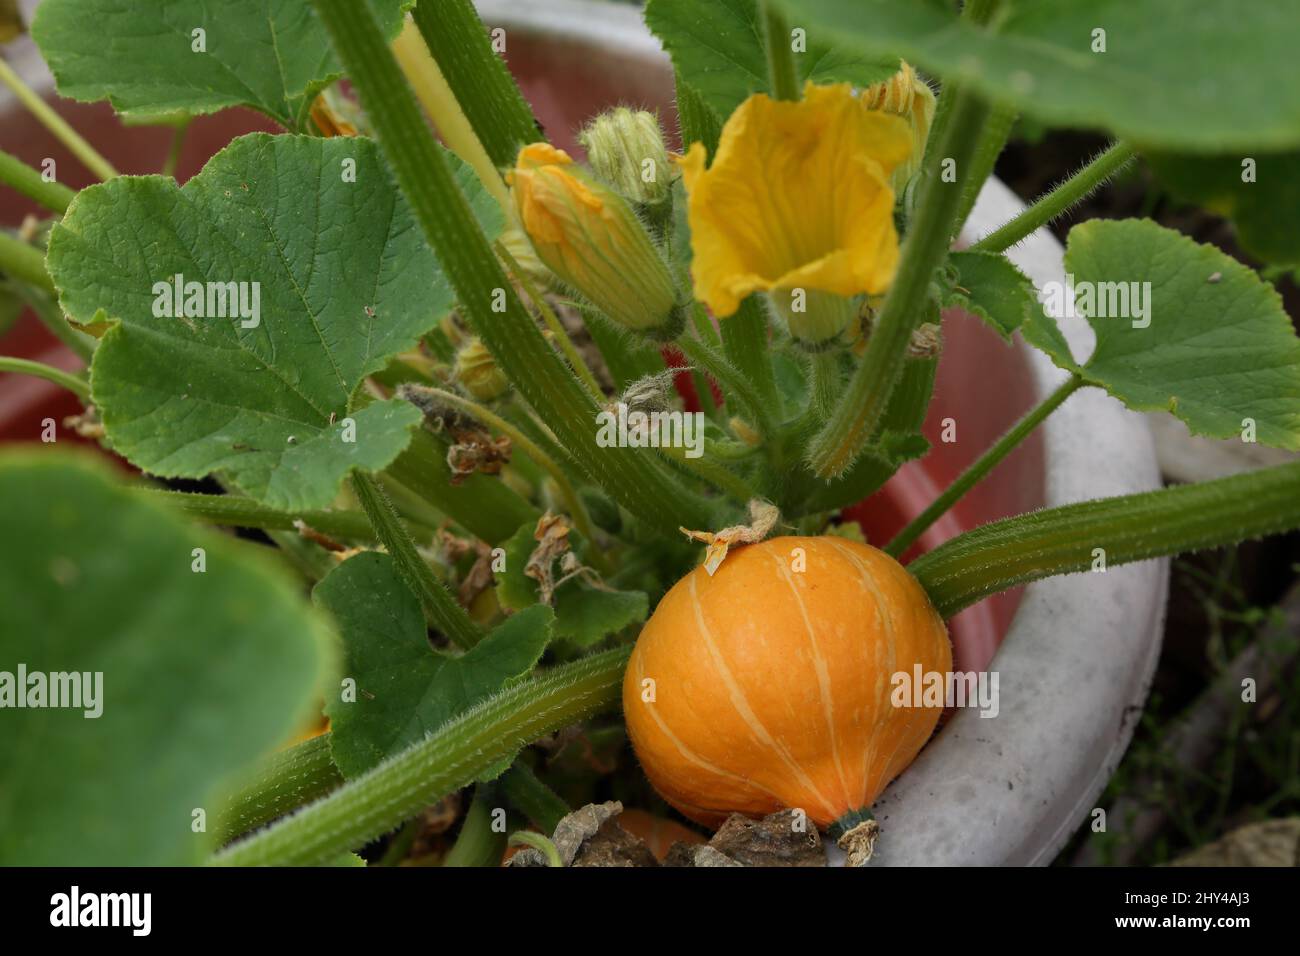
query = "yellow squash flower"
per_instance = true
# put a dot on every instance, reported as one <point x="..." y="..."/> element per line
<point x="908" y="96"/>
<point x="797" y="204"/>
<point x="590" y="238"/>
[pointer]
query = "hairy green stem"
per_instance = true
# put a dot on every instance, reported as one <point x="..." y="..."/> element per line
<point x="453" y="756"/>
<point x="73" y="383"/>
<point x="282" y="782"/>
<point x="24" y="262"/>
<point x="735" y="384"/>
<point x="477" y="844"/>
<point x="443" y="108"/>
<point x="980" y="468"/>
<point x="534" y="799"/>
<point x="306" y="557"/>
<point x="173" y="157"/>
<point x="712" y="473"/>
<point x="864" y="402"/>
<point x="237" y="512"/>
<point x="825" y="383"/>
<point x="782" y="77"/>
<point x="52" y="195"/>
<point x="478" y="77"/>
<point x="53" y="122"/>
<point x="1053" y="204"/>
<point x="543" y="845"/>
<point x="632" y="476"/>
<point x="558" y="331"/>
<point x="698" y="122"/>
<point x="45" y="304"/>
<point x="1075" y="537"/>
<point x="440" y="606"/>
<point x="991" y="143"/>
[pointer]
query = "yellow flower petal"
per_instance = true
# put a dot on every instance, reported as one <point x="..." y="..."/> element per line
<point x="798" y="196"/>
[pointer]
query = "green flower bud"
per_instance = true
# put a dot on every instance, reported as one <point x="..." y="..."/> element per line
<point x="626" y="149"/>
<point x="478" y="372"/>
<point x="817" y="320"/>
<point x="590" y="237"/>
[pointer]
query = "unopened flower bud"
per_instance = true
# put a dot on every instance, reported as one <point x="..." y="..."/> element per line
<point x="591" y="239"/>
<point x="626" y="149"/>
<point x="479" y="373"/>
<point x="816" y="320"/>
<point x="906" y="95"/>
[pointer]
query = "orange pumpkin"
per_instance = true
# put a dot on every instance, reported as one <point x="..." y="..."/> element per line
<point x="768" y="685"/>
<point x="657" y="833"/>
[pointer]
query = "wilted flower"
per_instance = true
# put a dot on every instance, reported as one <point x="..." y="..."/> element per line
<point x="797" y="204"/>
<point x="590" y="238"/>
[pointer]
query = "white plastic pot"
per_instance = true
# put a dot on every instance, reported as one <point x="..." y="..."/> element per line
<point x="1077" y="660"/>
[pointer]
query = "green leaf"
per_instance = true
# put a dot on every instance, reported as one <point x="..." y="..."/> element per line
<point x="345" y="282"/>
<point x="202" y="673"/>
<point x="583" y="614"/>
<point x="1264" y="210"/>
<point x="269" y="55"/>
<point x="1218" y="347"/>
<point x="717" y="47"/>
<point x="404" y="688"/>
<point x="986" y="284"/>
<point x="1200" y="76"/>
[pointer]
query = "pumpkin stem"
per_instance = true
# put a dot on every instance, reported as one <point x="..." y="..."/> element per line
<point x="855" y="833"/>
<point x="763" y="517"/>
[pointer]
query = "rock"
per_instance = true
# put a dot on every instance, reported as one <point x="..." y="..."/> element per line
<point x="613" y="846"/>
<point x="1270" y="843"/>
<point x="591" y="836"/>
<point x="779" y="839"/>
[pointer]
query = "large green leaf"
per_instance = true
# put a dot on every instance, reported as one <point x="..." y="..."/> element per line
<point x="1264" y="209"/>
<point x="717" y="46"/>
<point x="404" y="688"/>
<point x="345" y="281"/>
<point x="202" y="673"/>
<point x="583" y="614"/>
<point x="1214" y="348"/>
<point x="1194" y="74"/>
<point x="270" y="55"/>
<point x="988" y="285"/>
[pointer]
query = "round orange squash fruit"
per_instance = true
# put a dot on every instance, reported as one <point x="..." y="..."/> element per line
<point x="769" y="685"/>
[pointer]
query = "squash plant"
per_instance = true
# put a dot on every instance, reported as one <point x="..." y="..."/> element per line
<point x="353" y="330"/>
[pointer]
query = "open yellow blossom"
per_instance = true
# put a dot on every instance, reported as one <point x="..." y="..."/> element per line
<point x="797" y="203"/>
<point x="590" y="238"/>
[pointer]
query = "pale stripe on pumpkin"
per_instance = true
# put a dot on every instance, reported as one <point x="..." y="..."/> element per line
<point x="738" y="700"/>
